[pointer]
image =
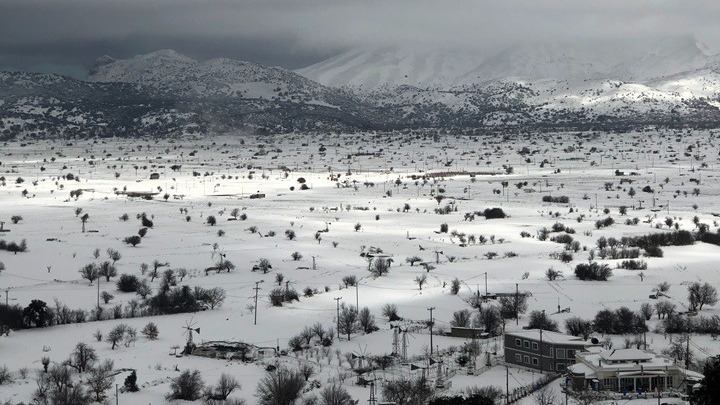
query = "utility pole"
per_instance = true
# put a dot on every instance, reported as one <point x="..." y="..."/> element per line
<point x="687" y="352"/>
<point x="117" y="399"/>
<point x="486" y="292"/>
<point x="257" y="288"/>
<point x="337" y="300"/>
<point x="541" y="352"/>
<point x="98" y="292"/>
<point x="507" y="385"/>
<point x="357" y="295"/>
<point x="517" y="310"/>
<point x="431" y="309"/>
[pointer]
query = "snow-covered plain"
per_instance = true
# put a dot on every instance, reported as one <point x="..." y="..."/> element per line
<point x="352" y="179"/>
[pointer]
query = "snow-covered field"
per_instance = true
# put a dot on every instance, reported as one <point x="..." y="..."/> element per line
<point x="351" y="179"/>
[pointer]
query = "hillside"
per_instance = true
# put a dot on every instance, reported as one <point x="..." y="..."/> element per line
<point x="553" y="87"/>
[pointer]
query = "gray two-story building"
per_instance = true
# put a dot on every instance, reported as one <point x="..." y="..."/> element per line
<point x="543" y="350"/>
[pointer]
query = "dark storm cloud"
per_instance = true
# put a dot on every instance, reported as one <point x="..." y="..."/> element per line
<point x="66" y="36"/>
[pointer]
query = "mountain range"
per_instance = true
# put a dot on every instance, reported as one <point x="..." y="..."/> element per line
<point x="665" y="82"/>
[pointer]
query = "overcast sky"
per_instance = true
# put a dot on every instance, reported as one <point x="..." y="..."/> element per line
<point x="65" y="36"/>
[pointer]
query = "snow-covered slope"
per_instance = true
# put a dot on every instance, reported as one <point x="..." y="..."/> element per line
<point x="635" y="61"/>
<point x="167" y="70"/>
<point x="661" y="82"/>
<point x="373" y="69"/>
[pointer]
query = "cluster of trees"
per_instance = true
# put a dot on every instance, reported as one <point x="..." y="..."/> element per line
<point x="593" y="271"/>
<point x="351" y="320"/>
<point x="13" y="246"/>
<point x="280" y="386"/>
<point x="56" y="384"/>
<point x="175" y="300"/>
<point x="135" y="240"/>
<point x="620" y="321"/>
<point x="189" y="386"/>
<point x="278" y="296"/>
<point x="490" y="318"/>
<point x="650" y="243"/>
<point x="168" y="300"/>
<point x="563" y="199"/>
<point x="316" y="333"/>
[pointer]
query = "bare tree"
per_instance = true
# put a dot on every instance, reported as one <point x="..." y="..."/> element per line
<point x="646" y="310"/>
<point x="587" y="397"/>
<point x="307" y="371"/>
<point x="420" y="280"/>
<point x="264" y="265"/>
<point x="107" y="270"/>
<point x="150" y="331"/>
<point x="89" y="272"/>
<point x="224" y="387"/>
<point x="114" y="255"/>
<point x="215" y="297"/>
<point x="82" y="357"/>
<point x="366" y="320"/>
<point x="348" y="320"/>
<point x="188" y="386"/>
<point x="407" y="392"/>
<point x="116" y="335"/>
<point x="461" y="318"/>
<point x="335" y="395"/>
<point x="545" y="396"/>
<point x="510" y="307"/>
<point x="101" y="379"/>
<point x="380" y="267"/>
<point x="701" y="294"/>
<point x="281" y="386"/>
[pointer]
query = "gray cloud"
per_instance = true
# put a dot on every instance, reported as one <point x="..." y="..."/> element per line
<point x="66" y="36"/>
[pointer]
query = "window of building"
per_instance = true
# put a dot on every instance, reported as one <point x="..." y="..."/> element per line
<point x="527" y="344"/>
<point x="570" y="354"/>
<point x="518" y="342"/>
<point x="526" y="359"/>
<point x="551" y="367"/>
<point x="552" y="352"/>
<point x="560" y="353"/>
<point x="561" y="367"/>
<point x="535" y="361"/>
<point x="534" y="345"/>
<point x="518" y="357"/>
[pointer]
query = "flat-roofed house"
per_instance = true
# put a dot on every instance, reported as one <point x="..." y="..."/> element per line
<point x="543" y="350"/>
<point x="628" y="371"/>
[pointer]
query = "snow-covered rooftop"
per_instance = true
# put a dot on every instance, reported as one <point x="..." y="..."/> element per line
<point x="625" y="355"/>
<point x="550" y="337"/>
